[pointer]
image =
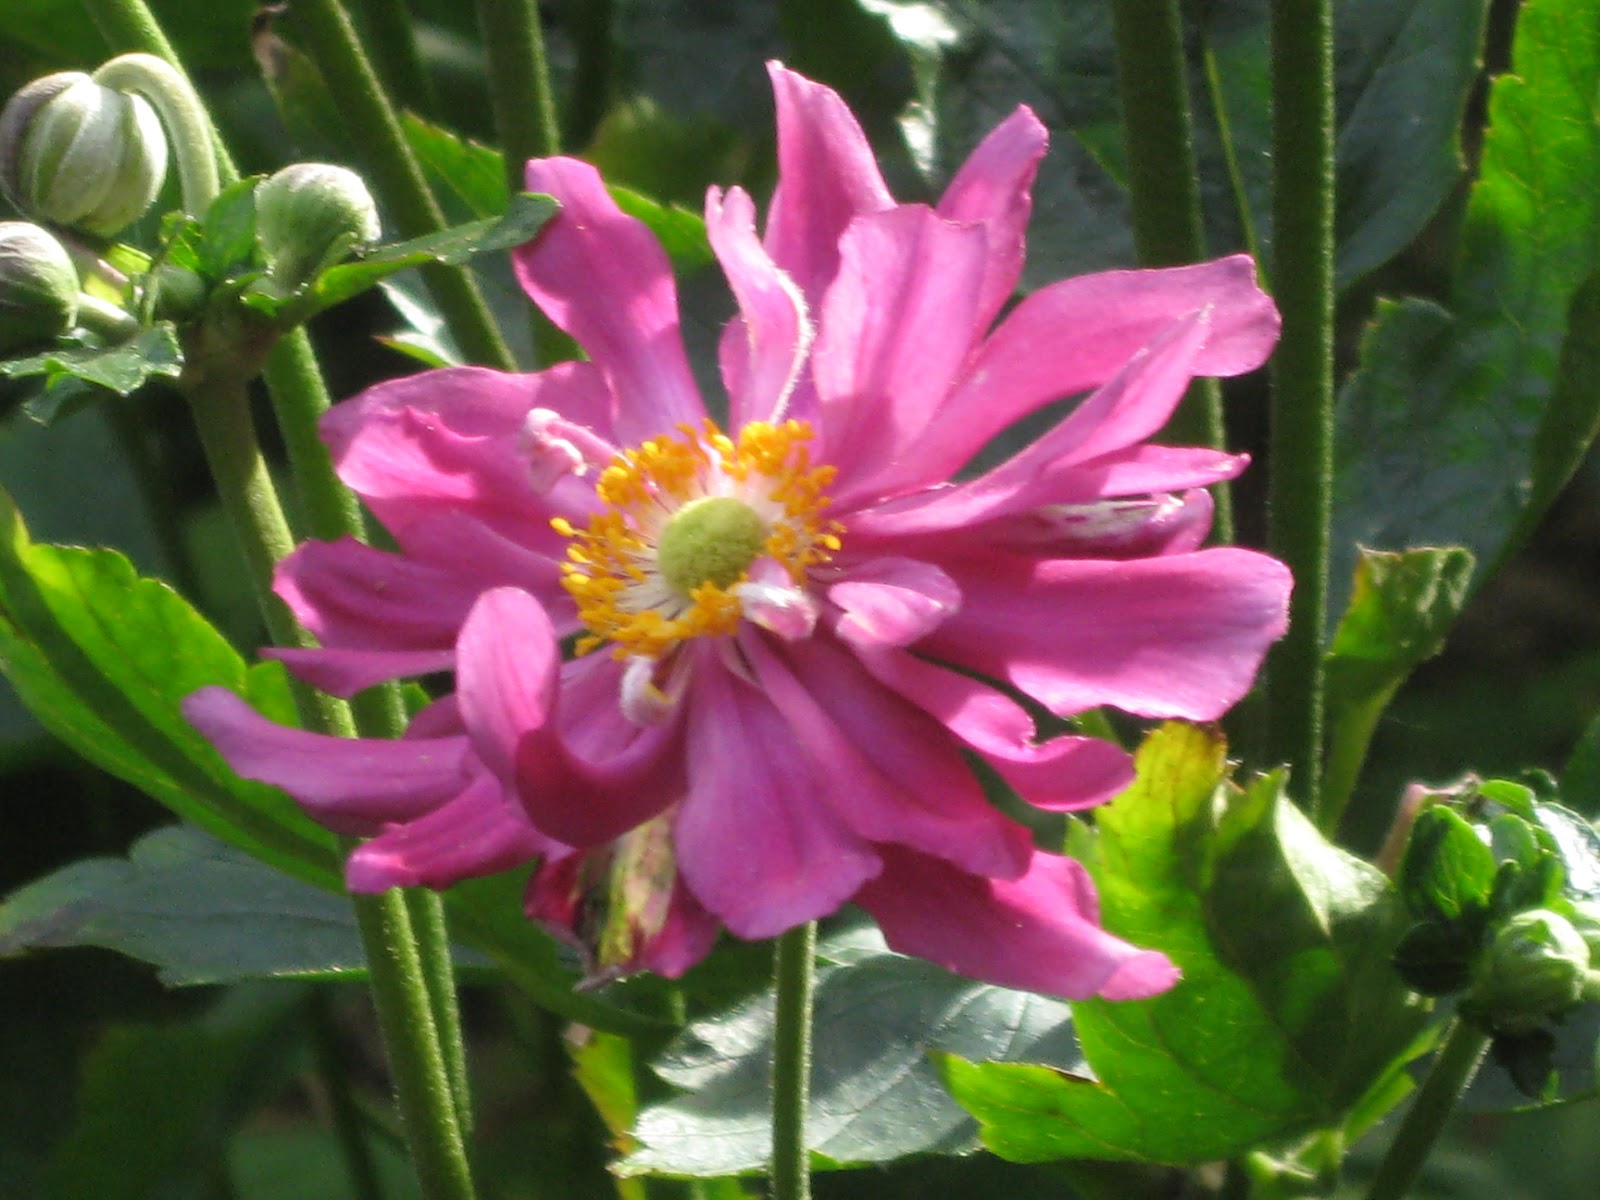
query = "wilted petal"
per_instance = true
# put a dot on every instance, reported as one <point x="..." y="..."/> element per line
<point x="602" y="276"/>
<point x="351" y="785"/>
<point x="1040" y="933"/>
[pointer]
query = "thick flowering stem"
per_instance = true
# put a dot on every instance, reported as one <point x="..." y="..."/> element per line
<point x="396" y="173"/>
<point x="188" y="127"/>
<point x="795" y="976"/>
<point x="1163" y="187"/>
<point x="1300" y="453"/>
<point x="1452" y="1069"/>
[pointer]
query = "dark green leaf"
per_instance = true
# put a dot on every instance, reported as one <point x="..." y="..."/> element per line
<point x="1288" y="1014"/>
<point x="1438" y="430"/>
<point x="875" y="1095"/>
<point x="1448" y="871"/>
<point x="1404" y="73"/>
<point x="198" y="910"/>
<point x="122" y="369"/>
<point x="682" y="234"/>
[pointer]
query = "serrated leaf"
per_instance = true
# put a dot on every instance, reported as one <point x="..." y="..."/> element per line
<point x="875" y="1094"/>
<point x="103" y="658"/>
<point x="475" y="173"/>
<point x="1447" y="871"/>
<point x="122" y="369"/>
<point x="456" y="246"/>
<point x="1401" y="607"/>
<point x="1287" y="1015"/>
<point x="1438" y="430"/>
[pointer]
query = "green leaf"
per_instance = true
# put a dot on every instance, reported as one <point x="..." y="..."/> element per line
<point x="1448" y="871"/>
<point x="122" y="369"/>
<point x="1404" y="72"/>
<point x="1439" y="438"/>
<point x="196" y="909"/>
<point x="104" y="658"/>
<point x="875" y="1094"/>
<point x="456" y="246"/>
<point x="474" y="173"/>
<point x="1288" y="1013"/>
<point x="1400" y="609"/>
<point x="228" y="238"/>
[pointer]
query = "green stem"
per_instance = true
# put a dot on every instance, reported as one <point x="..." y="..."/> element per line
<point x="795" y="977"/>
<point x="396" y="173"/>
<point x="188" y="126"/>
<point x="1230" y="155"/>
<point x="1164" y="189"/>
<point x="524" y="118"/>
<point x="1451" y="1071"/>
<point x="1300" y="452"/>
<point x="343" y="1110"/>
<point x="426" y="911"/>
<point x="392" y="37"/>
<point x="109" y="321"/>
<point x="299" y="398"/>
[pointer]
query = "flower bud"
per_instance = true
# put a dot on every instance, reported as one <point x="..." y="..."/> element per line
<point x="81" y="155"/>
<point x="1536" y="967"/>
<point x="310" y="216"/>
<point x="38" y="286"/>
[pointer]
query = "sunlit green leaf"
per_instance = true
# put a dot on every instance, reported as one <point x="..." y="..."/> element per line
<point x="122" y="369"/>
<point x="1288" y="1013"/>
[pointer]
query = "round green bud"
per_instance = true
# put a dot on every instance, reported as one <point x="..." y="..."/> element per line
<point x="81" y="155"/>
<point x="310" y="216"/>
<point x="1535" y="967"/>
<point x="38" y="287"/>
<point x="713" y="540"/>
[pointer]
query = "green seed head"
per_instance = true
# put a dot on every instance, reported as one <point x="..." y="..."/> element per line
<point x="713" y="540"/>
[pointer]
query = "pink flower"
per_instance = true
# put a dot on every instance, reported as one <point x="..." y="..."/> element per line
<point x="783" y="629"/>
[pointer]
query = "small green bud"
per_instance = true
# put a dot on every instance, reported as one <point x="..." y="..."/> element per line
<point x="179" y="292"/>
<point x="38" y="287"/>
<point x="1536" y="967"/>
<point x="310" y="216"/>
<point x="81" y="155"/>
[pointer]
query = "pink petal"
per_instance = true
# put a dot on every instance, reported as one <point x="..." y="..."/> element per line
<point x="1177" y="636"/>
<point x="994" y="188"/>
<point x="773" y="332"/>
<point x="1075" y="335"/>
<point x="757" y="844"/>
<point x="479" y="832"/>
<point x="1039" y="933"/>
<point x="887" y="770"/>
<point x="507" y="659"/>
<point x="896" y="325"/>
<point x="1106" y="528"/>
<point x="356" y="597"/>
<point x="1060" y="775"/>
<point x="602" y="276"/>
<point x="351" y="785"/>
<point x="893" y="601"/>
<point x="1131" y="406"/>
<point x="827" y="176"/>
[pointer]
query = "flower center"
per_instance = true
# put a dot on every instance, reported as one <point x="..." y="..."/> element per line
<point x="683" y="522"/>
<point x="709" y="541"/>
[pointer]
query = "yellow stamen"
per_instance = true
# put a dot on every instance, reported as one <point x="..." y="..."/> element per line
<point x="613" y="570"/>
